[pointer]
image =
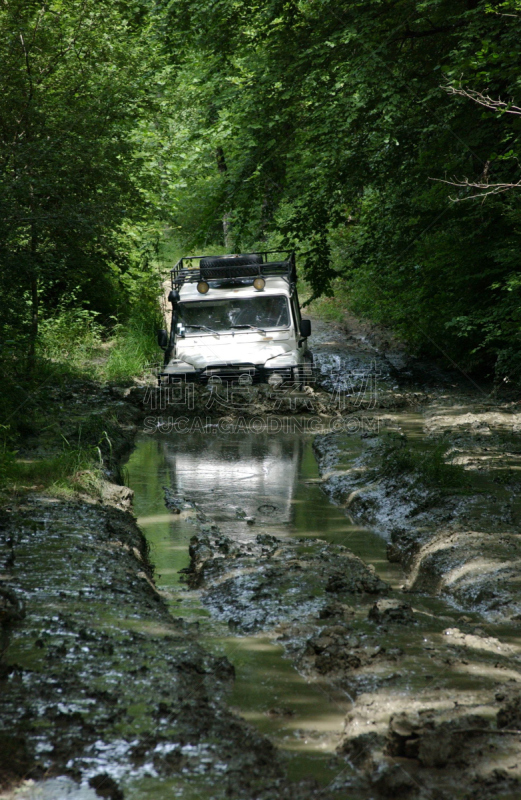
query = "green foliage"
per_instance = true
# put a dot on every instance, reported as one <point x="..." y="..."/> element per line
<point x="321" y="125"/>
<point x="73" y="466"/>
<point x="71" y="336"/>
<point x="330" y="309"/>
<point x="74" y="469"/>
<point x="78" y="79"/>
<point x="429" y="468"/>
<point x="336" y="130"/>
<point x="134" y="349"/>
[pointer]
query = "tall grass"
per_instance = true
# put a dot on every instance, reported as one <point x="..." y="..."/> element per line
<point x="74" y="469"/>
<point x="134" y="348"/>
<point x="74" y="340"/>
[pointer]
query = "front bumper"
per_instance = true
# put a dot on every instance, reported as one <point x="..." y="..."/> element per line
<point x="238" y="374"/>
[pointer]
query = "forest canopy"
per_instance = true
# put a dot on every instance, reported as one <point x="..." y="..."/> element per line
<point x="332" y="126"/>
<point x="379" y="138"/>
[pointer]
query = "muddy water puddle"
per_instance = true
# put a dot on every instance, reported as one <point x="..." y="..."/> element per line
<point x="249" y="485"/>
<point x="255" y="488"/>
<point x="448" y="668"/>
<point x="252" y="484"/>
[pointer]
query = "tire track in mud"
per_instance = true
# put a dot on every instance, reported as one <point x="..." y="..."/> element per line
<point x="436" y="687"/>
<point x="434" y="707"/>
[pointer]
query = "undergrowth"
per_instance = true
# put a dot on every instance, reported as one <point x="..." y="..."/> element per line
<point x="53" y="435"/>
<point x="56" y="430"/>
<point x="59" y="464"/>
<point x="72" y="338"/>
<point x="430" y="467"/>
<point x="134" y="348"/>
<point x="72" y="470"/>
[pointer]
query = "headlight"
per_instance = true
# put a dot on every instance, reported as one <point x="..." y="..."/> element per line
<point x="275" y="379"/>
<point x="179" y="367"/>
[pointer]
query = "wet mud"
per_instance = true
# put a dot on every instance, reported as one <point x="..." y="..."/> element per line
<point x="434" y="706"/>
<point x="100" y="682"/>
<point x="458" y="541"/>
<point x="455" y="538"/>
<point x="405" y="616"/>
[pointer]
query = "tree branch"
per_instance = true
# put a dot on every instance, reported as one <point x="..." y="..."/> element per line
<point x="485" y="101"/>
<point x="485" y="189"/>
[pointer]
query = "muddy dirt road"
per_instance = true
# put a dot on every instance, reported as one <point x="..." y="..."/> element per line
<point x="321" y="597"/>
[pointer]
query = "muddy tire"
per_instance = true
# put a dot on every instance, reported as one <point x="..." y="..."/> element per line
<point x="303" y="375"/>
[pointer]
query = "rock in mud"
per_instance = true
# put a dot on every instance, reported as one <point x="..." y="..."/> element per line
<point x="509" y="715"/>
<point x="332" y="652"/>
<point x="389" y="612"/>
<point x="336" y="610"/>
<point x="394" y="554"/>
<point x="106" y="787"/>
<point x="433" y="740"/>
<point x="497" y="786"/>
<point x="12" y="607"/>
<point x="393" y="780"/>
<point x="176" y="504"/>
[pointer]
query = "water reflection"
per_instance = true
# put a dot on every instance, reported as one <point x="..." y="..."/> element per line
<point x="234" y="476"/>
<point x="273" y="480"/>
<point x="263" y="477"/>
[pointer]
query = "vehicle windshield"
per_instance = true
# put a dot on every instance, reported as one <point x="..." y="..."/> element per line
<point x="263" y="312"/>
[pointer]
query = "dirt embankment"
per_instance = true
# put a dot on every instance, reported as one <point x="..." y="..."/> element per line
<point x="98" y="679"/>
<point x="456" y="535"/>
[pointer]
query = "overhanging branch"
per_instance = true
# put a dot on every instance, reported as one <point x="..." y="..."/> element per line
<point x="484" y="100"/>
<point x="484" y="189"/>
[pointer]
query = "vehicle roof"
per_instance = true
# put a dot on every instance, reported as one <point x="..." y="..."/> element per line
<point x="275" y="285"/>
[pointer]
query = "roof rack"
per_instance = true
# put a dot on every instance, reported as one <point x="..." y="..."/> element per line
<point x="192" y="269"/>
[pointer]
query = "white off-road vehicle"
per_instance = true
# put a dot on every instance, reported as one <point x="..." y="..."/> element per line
<point x="236" y="318"/>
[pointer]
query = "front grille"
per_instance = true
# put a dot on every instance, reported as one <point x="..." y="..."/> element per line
<point x="245" y="374"/>
<point x="233" y="373"/>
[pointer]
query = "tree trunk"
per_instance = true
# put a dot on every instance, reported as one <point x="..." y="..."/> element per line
<point x="35" y="302"/>
<point x="227" y="226"/>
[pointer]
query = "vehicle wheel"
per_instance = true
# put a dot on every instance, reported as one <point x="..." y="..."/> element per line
<point x="303" y="375"/>
<point x="307" y="373"/>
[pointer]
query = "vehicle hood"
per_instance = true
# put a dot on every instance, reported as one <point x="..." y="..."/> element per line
<point x="206" y="351"/>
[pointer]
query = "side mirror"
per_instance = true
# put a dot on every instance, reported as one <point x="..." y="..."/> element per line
<point x="305" y="328"/>
<point x="162" y="339"/>
<point x="173" y="297"/>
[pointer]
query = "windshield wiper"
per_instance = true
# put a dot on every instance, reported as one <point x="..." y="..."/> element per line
<point x="253" y="327"/>
<point x="203" y="328"/>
